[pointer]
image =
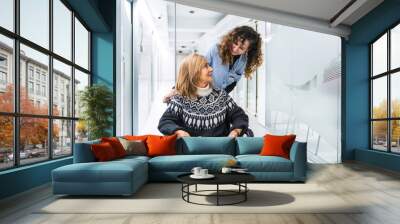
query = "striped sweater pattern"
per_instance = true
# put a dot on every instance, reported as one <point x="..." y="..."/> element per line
<point x="203" y="113"/>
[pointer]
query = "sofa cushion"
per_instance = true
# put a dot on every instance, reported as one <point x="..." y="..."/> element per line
<point x="134" y="147"/>
<point x="161" y="145"/>
<point x="185" y="163"/>
<point x="206" y="145"/>
<point x="103" y="152"/>
<point x="116" y="145"/>
<point x="83" y="152"/>
<point x="257" y="163"/>
<point x="277" y="145"/>
<point x="249" y="145"/>
<point x="111" y="171"/>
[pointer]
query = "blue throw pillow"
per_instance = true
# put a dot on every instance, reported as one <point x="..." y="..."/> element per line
<point x="206" y="145"/>
<point x="249" y="145"/>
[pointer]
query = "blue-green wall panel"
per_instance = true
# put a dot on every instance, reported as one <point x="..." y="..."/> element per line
<point x="357" y="99"/>
<point x="24" y="178"/>
<point x="377" y="158"/>
<point x="102" y="58"/>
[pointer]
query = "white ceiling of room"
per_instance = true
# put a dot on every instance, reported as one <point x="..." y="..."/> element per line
<point x="191" y="24"/>
<point x="315" y="15"/>
<point x="321" y="9"/>
<point x="194" y="18"/>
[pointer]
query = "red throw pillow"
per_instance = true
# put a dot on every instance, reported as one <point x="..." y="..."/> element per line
<point x="116" y="145"/>
<point x="103" y="152"/>
<point x="161" y="145"/>
<point x="136" y="137"/>
<point x="277" y="145"/>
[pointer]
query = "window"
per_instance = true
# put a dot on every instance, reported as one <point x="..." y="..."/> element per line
<point x="7" y="142"/>
<point x="30" y="87"/>
<point x="38" y="89"/>
<point x="3" y="78"/>
<point x="30" y="72"/>
<point x="81" y="45"/>
<point x="34" y="21"/>
<point x="3" y="61"/>
<point x="385" y="91"/>
<point x="62" y="137"/>
<point x="62" y="74"/>
<point x="81" y="81"/>
<point x="62" y="29"/>
<point x="44" y="91"/>
<point x="45" y="131"/>
<point x="6" y="72"/>
<point x="37" y="75"/>
<point x="7" y="14"/>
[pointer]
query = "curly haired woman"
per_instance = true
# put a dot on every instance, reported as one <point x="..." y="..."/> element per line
<point x="198" y="109"/>
<point x="239" y="52"/>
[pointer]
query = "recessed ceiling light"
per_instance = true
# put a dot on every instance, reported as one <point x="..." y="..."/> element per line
<point x="183" y="46"/>
<point x="191" y="11"/>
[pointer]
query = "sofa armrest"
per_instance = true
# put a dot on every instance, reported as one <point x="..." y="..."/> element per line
<point x="298" y="155"/>
<point x="83" y="152"/>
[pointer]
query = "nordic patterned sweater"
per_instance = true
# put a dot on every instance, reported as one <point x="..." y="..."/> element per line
<point x="213" y="115"/>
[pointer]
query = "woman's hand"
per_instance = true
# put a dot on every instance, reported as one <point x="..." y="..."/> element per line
<point x="167" y="97"/>
<point x="181" y="133"/>
<point x="235" y="133"/>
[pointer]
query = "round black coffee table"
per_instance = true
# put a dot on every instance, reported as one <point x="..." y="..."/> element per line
<point x="238" y="179"/>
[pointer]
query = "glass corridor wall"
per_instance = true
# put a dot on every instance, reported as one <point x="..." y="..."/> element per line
<point x="296" y="90"/>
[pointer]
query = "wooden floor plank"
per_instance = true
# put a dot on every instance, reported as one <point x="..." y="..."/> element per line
<point x="377" y="190"/>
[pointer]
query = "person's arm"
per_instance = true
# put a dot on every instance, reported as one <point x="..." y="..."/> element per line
<point x="237" y="117"/>
<point x="170" y="122"/>
<point x="210" y="53"/>
<point x="236" y="73"/>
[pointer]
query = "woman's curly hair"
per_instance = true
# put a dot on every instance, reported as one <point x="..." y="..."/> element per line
<point x="254" y="54"/>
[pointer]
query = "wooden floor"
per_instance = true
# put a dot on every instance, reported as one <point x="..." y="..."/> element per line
<point x="378" y="188"/>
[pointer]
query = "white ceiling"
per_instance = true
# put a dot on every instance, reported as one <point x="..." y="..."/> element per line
<point x="191" y="24"/>
<point x="320" y="9"/>
<point x="194" y="18"/>
<point x="315" y="15"/>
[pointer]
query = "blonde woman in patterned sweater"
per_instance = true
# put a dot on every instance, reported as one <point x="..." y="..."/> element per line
<point x="199" y="109"/>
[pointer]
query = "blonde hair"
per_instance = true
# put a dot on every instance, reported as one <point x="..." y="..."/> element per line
<point x="189" y="75"/>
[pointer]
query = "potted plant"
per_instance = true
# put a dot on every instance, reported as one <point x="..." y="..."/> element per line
<point x="96" y="102"/>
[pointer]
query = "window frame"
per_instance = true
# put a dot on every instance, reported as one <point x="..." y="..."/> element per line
<point x="388" y="74"/>
<point x="16" y="114"/>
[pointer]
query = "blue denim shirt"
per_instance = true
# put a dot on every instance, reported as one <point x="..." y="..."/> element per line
<point x="222" y="75"/>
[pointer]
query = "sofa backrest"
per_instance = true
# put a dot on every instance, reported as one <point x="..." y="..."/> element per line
<point x="83" y="152"/>
<point x="249" y="145"/>
<point x="206" y="145"/>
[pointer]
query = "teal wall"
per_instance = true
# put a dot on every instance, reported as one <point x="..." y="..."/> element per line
<point x="99" y="15"/>
<point x="103" y="64"/>
<point x="24" y="178"/>
<point x="102" y="58"/>
<point x="356" y="124"/>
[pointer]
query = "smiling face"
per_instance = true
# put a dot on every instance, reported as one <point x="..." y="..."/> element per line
<point x="205" y="75"/>
<point x="240" y="47"/>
